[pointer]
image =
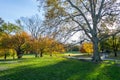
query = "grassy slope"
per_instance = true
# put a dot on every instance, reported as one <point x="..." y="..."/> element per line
<point x="55" y="68"/>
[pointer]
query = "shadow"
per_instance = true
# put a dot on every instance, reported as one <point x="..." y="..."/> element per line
<point x="64" y="70"/>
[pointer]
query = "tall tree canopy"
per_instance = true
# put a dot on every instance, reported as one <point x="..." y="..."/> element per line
<point x="90" y="16"/>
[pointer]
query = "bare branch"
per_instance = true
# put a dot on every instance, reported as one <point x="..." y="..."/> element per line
<point x="80" y="13"/>
<point x="106" y="36"/>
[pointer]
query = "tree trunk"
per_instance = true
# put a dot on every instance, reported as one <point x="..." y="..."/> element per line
<point x="19" y="54"/>
<point x="41" y="54"/>
<point x="36" y="54"/>
<point x="5" y="56"/>
<point x="50" y="53"/>
<point x="96" y="55"/>
<point x="115" y="53"/>
<point x="114" y="46"/>
<point x="115" y="50"/>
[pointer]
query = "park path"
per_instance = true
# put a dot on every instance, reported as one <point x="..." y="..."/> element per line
<point x="89" y="58"/>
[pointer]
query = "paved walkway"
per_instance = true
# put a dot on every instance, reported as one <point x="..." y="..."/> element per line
<point x="89" y="58"/>
<point x="80" y="58"/>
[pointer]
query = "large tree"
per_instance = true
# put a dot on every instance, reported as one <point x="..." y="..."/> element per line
<point x="18" y="41"/>
<point x="89" y="16"/>
<point x="41" y="32"/>
<point x="5" y="39"/>
<point x="5" y="44"/>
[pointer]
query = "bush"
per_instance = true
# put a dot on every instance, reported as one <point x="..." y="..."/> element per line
<point x="86" y="47"/>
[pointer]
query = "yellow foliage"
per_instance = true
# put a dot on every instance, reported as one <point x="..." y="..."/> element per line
<point x="9" y="52"/>
<point x="47" y="44"/>
<point x="87" y="47"/>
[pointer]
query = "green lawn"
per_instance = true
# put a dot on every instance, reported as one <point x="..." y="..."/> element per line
<point x="57" y="68"/>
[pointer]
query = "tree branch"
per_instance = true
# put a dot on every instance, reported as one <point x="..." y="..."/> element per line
<point x="86" y="31"/>
<point x="100" y="10"/>
<point x="81" y="14"/>
<point x="106" y="36"/>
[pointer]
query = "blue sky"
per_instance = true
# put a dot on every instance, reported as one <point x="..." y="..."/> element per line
<point x="11" y="10"/>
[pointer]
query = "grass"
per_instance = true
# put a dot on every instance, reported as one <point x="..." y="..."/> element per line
<point x="57" y="68"/>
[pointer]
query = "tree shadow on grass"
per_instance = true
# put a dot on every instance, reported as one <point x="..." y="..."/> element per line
<point x="64" y="70"/>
